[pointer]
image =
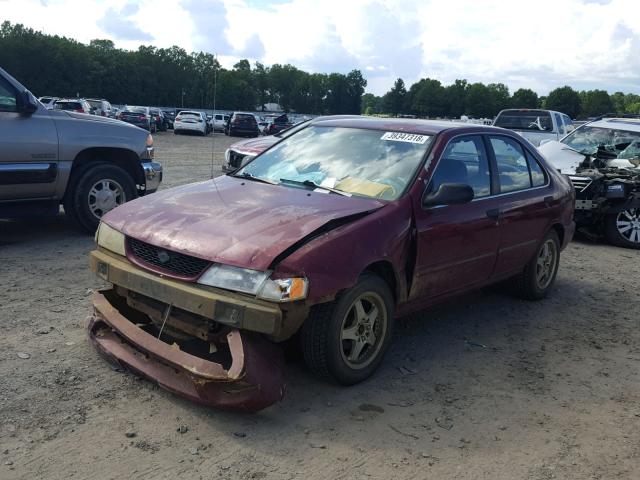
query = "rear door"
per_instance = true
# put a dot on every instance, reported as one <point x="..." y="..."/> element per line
<point x="525" y="199"/>
<point x="457" y="244"/>
<point x="28" y="150"/>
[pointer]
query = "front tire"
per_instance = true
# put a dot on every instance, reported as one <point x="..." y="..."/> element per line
<point x="97" y="190"/>
<point x="623" y="229"/>
<point x="346" y="339"/>
<point x="539" y="275"/>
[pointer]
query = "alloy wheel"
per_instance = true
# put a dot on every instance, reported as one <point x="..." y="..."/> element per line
<point x="105" y="195"/>
<point x="546" y="263"/>
<point x="628" y="224"/>
<point x="363" y="330"/>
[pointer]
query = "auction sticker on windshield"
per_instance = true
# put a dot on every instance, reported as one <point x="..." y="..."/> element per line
<point x="404" y="137"/>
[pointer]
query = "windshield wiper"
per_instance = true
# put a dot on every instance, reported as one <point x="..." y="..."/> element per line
<point x="248" y="176"/>
<point x="311" y="183"/>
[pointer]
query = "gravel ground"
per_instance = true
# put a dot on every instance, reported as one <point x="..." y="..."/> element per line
<point x="486" y="387"/>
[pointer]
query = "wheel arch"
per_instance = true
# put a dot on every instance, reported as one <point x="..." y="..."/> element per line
<point x="384" y="269"/>
<point x="126" y="159"/>
<point x="559" y="229"/>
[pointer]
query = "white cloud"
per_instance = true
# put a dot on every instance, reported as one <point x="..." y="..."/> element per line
<point x="541" y="45"/>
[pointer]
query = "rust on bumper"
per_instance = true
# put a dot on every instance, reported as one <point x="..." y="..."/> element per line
<point x="253" y="381"/>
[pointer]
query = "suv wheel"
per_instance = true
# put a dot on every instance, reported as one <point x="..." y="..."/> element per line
<point x="346" y="339"/>
<point x="539" y="274"/>
<point x="97" y="190"/>
<point x="623" y="229"/>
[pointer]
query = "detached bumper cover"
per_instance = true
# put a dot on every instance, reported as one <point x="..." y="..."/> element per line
<point x="252" y="382"/>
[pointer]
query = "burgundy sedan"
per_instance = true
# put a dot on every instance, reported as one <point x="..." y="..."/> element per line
<point x="331" y="234"/>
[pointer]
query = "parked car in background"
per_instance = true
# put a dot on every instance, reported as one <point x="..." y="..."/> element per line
<point x="602" y="160"/>
<point x="241" y="123"/>
<point x="47" y="102"/>
<point x="220" y="121"/>
<point x="169" y="117"/>
<point x="89" y="164"/>
<point x="278" y="124"/>
<point x="240" y="153"/>
<point x="79" y="105"/>
<point x="138" y="116"/>
<point x="190" y="121"/>
<point x="203" y="293"/>
<point x="158" y="117"/>
<point x="535" y="125"/>
<point x="101" y="107"/>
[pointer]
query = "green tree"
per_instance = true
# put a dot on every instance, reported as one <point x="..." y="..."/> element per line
<point x="371" y="104"/>
<point x="595" y="102"/>
<point x="456" y="97"/>
<point x="564" y="99"/>
<point x="427" y="98"/>
<point x="395" y="99"/>
<point x="479" y="101"/>
<point x="524" y="98"/>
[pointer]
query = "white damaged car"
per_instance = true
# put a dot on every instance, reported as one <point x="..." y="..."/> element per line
<point x="602" y="159"/>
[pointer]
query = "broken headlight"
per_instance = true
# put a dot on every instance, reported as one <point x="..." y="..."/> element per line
<point x="255" y="283"/>
<point x="110" y="239"/>
<point x="285" y="289"/>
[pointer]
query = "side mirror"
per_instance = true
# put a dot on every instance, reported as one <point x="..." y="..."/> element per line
<point x="449" y="194"/>
<point x="26" y="104"/>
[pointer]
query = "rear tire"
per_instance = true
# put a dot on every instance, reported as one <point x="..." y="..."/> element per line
<point x="623" y="229"/>
<point x="539" y="275"/>
<point x="95" y="191"/>
<point x="346" y="339"/>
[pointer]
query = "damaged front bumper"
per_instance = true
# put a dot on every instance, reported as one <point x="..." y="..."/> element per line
<point x="249" y="379"/>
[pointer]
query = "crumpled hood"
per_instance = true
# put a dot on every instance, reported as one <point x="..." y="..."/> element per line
<point x="254" y="146"/>
<point x="232" y="221"/>
<point x="561" y="157"/>
<point x="568" y="160"/>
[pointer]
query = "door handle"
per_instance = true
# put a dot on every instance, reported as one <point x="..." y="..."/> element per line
<point x="494" y="214"/>
<point x="548" y="200"/>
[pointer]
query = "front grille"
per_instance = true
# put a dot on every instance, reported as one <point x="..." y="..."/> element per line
<point x="580" y="183"/>
<point x="235" y="159"/>
<point x="174" y="262"/>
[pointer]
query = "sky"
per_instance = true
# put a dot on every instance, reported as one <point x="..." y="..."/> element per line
<point x="539" y="44"/>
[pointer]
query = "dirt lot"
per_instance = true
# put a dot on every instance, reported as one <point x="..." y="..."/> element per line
<point x="487" y="387"/>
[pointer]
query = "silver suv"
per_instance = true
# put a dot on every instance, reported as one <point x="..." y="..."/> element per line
<point x="87" y="163"/>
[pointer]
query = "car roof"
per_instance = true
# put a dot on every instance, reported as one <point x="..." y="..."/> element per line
<point x="426" y="127"/>
<point x="621" y="123"/>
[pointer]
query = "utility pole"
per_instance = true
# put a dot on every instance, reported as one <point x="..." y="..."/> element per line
<point x="183" y="98"/>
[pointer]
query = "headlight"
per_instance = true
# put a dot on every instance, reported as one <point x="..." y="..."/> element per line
<point x="110" y="239"/>
<point x="234" y="278"/>
<point x="285" y="289"/>
<point x="255" y="283"/>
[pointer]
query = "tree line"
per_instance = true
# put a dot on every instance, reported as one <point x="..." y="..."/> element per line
<point x="430" y="98"/>
<point x="54" y="65"/>
<point x="59" y="66"/>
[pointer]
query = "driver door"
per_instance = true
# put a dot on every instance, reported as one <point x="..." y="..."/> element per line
<point x="457" y="245"/>
<point x="29" y="149"/>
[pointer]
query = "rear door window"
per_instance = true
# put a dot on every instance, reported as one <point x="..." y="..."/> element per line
<point x="464" y="161"/>
<point x="513" y="171"/>
<point x="517" y="168"/>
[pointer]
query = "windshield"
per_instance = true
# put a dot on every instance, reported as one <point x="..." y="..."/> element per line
<point x="536" y="120"/>
<point x="367" y="163"/>
<point x="621" y="143"/>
